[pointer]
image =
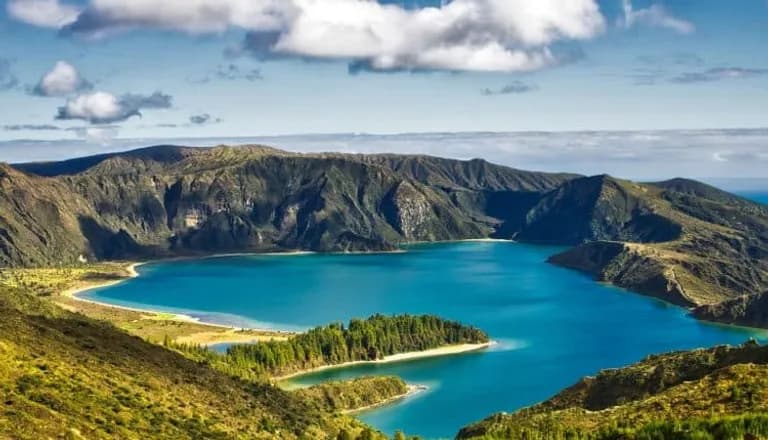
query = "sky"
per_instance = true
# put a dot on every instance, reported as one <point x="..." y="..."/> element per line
<point x="572" y="85"/>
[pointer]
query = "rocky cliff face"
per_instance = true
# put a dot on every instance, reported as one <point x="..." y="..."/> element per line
<point x="409" y="212"/>
<point x="597" y="208"/>
<point x="173" y="200"/>
<point x="748" y="310"/>
<point x="39" y="219"/>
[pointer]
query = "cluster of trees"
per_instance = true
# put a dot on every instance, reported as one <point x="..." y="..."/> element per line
<point x="361" y="340"/>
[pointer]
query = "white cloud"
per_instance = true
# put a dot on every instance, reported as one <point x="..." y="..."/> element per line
<point x="94" y="107"/>
<point x="656" y="16"/>
<point x="103" y="107"/>
<point x="192" y="16"/>
<point x="479" y="35"/>
<point x="476" y="35"/>
<point x="42" y="13"/>
<point x="63" y="79"/>
<point x="97" y="135"/>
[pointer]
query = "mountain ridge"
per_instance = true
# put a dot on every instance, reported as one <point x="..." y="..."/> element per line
<point x="678" y="240"/>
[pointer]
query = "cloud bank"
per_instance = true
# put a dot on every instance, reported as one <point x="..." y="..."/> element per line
<point x="43" y="13"/>
<point x="655" y="15"/>
<point x="104" y="108"/>
<point x="63" y="79"/>
<point x="460" y="35"/>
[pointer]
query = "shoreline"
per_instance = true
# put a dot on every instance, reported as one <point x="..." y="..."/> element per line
<point x="411" y="390"/>
<point x="75" y="292"/>
<point x="230" y="335"/>
<point x="461" y="240"/>
<point x="446" y="350"/>
<point x="180" y="317"/>
<point x="216" y="333"/>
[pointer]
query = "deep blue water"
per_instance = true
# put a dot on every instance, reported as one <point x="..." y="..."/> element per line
<point x="760" y="197"/>
<point x="554" y="325"/>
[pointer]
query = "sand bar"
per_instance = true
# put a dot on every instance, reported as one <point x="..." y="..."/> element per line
<point x="400" y="357"/>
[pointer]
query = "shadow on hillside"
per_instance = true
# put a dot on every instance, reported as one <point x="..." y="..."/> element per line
<point x="109" y="245"/>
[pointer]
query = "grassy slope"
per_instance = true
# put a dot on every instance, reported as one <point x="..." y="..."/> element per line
<point x="696" y="386"/>
<point x="719" y="252"/>
<point x="357" y="393"/>
<point x="62" y="374"/>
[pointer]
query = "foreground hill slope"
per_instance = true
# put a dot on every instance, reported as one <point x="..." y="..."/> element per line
<point x="712" y="393"/>
<point x="66" y="376"/>
<point x="678" y="240"/>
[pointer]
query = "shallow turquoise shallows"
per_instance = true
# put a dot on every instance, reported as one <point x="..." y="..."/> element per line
<point x="553" y="325"/>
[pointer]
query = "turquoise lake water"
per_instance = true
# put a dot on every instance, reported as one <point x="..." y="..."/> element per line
<point x="553" y="325"/>
<point x="761" y="197"/>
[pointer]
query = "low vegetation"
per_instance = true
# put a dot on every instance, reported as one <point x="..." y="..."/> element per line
<point x="694" y="394"/>
<point x="63" y="375"/>
<point x="50" y="281"/>
<point x="754" y="426"/>
<point x="355" y="394"/>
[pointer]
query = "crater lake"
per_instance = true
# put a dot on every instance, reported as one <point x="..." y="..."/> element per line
<point x="553" y="325"/>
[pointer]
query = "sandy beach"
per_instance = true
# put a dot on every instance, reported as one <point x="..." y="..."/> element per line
<point x="74" y="293"/>
<point x="400" y="357"/>
<point x="181" y="328"/>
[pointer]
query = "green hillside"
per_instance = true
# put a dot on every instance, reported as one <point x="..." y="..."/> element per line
<point x="689" y="394"/>
<point x="63" y="375"/>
